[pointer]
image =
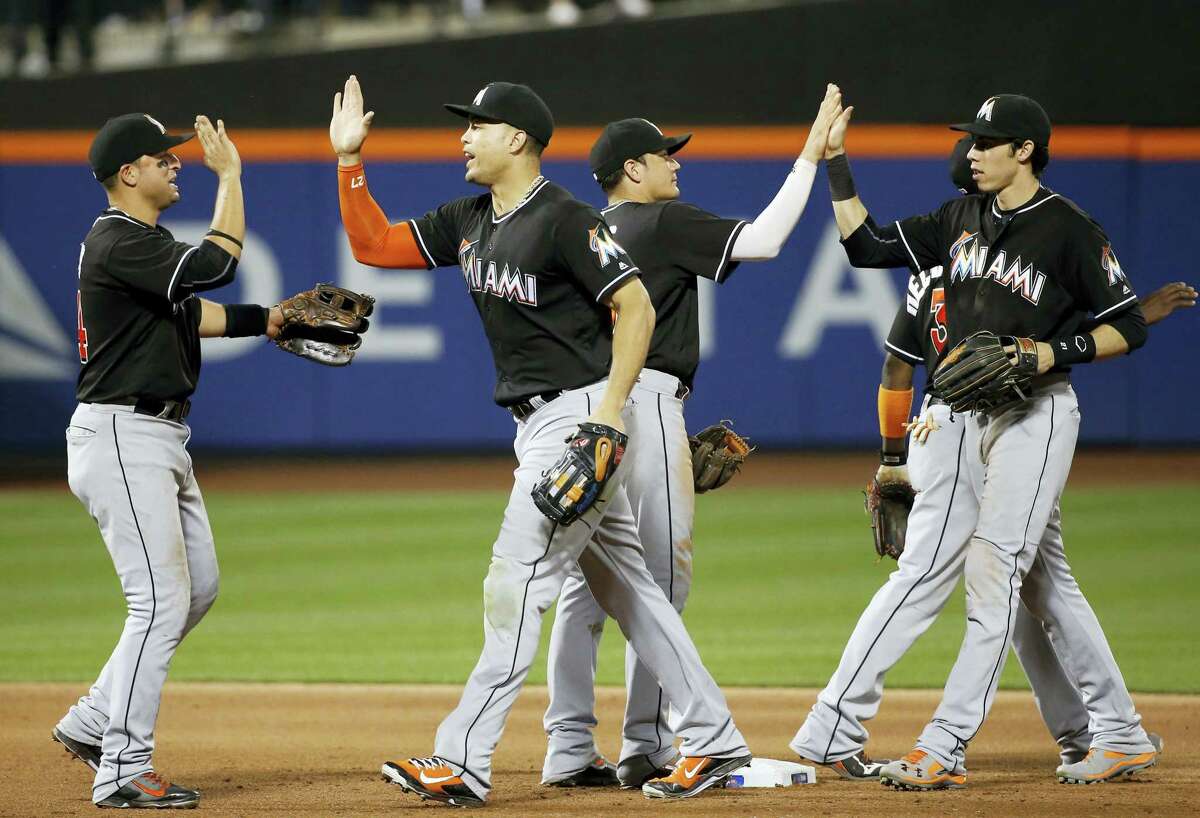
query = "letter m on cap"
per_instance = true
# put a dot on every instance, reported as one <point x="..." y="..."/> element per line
<point x="479" y="96"/>
<point x="985" y="110"/>
<point x="155" y="123"/>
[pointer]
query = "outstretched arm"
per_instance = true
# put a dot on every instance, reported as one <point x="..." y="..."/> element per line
<point x="764" y="237"/>
<point x="848" y="209"/>
<point x="373" y="239"/>
<point x="867" y="244"/>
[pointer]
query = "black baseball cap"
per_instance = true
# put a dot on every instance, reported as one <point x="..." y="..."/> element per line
<point x="515" y="104"/>
<point x="1009" y="116"/>
<point x="125" y="139"/>
<point x="629" y="139"/>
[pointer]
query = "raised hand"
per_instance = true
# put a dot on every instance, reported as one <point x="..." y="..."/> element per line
<point x="837" y="133"/>
<point x="220" y="154"/>
<point x="349" y="125"/>
<point x="818" y="135"/>
<point x="1165" y="300"/>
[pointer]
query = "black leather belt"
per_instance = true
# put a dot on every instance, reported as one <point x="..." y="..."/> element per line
<point x="175" y="410"/>
<point x="526" y="408"/>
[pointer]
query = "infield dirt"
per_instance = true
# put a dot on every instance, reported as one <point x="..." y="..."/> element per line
<point x="316" y="750"/>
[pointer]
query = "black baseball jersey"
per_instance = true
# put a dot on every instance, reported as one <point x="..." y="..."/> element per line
<point x="138" y="332"/>
<point x="673" y="243"/>
<point x="919" y="333"/>
<point x="538" y="276"/>
<point x="1036" y="271"/>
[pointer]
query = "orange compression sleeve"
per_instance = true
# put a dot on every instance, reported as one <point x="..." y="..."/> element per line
<point x="372" y="239"/>
<point x="894" y="405"/>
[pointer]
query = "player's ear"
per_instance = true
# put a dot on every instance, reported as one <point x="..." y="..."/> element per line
<point x="1025" y="152"/>
<point x="633" y="170"/>
<point x="517" y="141"/>
<point x="128" y="174"/>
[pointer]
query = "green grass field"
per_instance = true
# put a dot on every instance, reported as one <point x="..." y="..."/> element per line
<point x="387" y="588"/>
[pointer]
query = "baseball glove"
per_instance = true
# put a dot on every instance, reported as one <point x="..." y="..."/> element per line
<point x="986" y="371"/>
<point x="324" y="324"/>
<point x="888" y="502"/>
<point x="717" y="454"/>
<point x="573" y="485"/>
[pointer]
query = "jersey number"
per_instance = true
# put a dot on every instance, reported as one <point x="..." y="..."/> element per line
<point x="938" y="333"/>
<point x="82" y="335"/>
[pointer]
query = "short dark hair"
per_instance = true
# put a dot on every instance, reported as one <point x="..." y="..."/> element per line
<point x="535" y="144"/>
<point x="1038" y="159"/>
<point x="110" y="181"/>
<point x="609" y="183"/>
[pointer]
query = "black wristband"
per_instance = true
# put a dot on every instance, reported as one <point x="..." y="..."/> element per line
<point x="841" y="182"/>
<point x="893" y="458"/>
<point x="226" y="236"/>
<point x="1073" y="349"/>
<point x="243" y="320"/>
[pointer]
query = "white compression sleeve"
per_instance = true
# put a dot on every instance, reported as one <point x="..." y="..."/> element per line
<point x="764" y="237"/>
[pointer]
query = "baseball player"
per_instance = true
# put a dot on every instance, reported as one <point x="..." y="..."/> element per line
<point x="140" y="323"/>
<point x="834" y="733"/>
<point x="543" y="272"/>
<point x="673" y="243"/>
<point x="1021" y="260"/>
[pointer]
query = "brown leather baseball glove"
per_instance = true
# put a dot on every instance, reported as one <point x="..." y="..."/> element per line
<point x="325" y="324"/>
<point x="718" y="453"/>
<point x="888" y="499"/>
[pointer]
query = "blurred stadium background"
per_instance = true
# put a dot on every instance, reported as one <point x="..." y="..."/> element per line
<point x="792" y="348"/>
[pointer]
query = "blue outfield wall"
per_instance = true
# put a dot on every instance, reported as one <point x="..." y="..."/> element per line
<point x="792" y="347"/>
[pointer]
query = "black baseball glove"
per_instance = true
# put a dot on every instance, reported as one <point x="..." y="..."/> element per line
<point x="573" y="485"/>
<point x="986" y="371"/>
<point x="718" y="453"/>
<point x="325" y="324"/>
<point x="888" y="502"/>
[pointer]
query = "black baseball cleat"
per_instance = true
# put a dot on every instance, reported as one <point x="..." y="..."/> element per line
<point x="858" y="767"/>
<point x="694" y="775"/>
<point x="89" y="754"/>
<point x="151" y="791"/>
<point x="433" y="779"/>
<point x="635" y="771"/>
<point x="600" y="773"/>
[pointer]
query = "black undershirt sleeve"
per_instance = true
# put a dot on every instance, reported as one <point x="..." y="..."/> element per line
<point x="209" y="267"/>
<point x="1131" y="323"/>
<point x="872" y="246"/>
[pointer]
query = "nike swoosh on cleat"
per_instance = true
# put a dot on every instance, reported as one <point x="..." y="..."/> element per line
<point x="425" y="780"/>
<point x="692" y="773"/>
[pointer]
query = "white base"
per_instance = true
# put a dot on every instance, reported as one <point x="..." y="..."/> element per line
<point x="768" y="772"/>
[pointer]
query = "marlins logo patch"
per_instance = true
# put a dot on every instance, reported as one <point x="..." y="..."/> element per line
<point x="603" y="244"/>
<point x="1108" y="261"/>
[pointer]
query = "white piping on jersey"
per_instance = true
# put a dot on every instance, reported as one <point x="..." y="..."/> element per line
<point x="996" y="210"/>
<point x="520" y="204"/>
<point x="178" y="267"/>
<point x="723" y="264"/>
<point x="608" y="286"/>
<point x="1115" y="306"/>
<point x="615" y="205"/>
<point x="900" y="230"/>
<point x="902" y="352"/>
<point x="421" y="240"/>
<point x="120" y="215"/>
<point x="218" y="275"/>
